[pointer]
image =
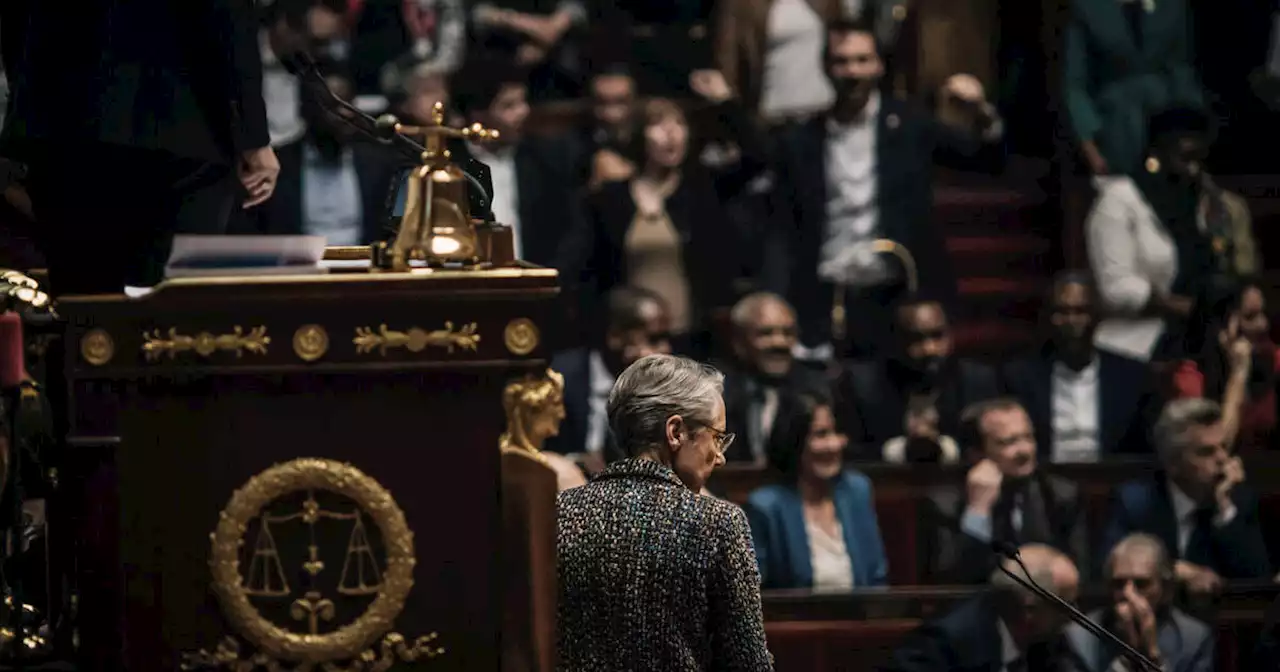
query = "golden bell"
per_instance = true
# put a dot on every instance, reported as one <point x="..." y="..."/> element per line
<point x="436" y="227"/>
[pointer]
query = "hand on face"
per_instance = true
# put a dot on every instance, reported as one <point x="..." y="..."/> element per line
<point x="983" y="485"/>
<point x="1232" y="475"/>
<point x="1138" y="621"/>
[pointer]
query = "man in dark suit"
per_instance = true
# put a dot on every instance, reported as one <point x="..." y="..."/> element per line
<point x="132" y="117"/>
<point x="535" y="179"/>
<point x="763" y="372"/>
<point x="1005" y="498"/>
<point x="1197" y="504"/>
<point x="862" y="172"/>
<point x="1084" y="403"/>
<point x="873" y="396"/>
<point x="331" y="183"/>
<point x="1006" y="630"/>
<point x="638" y="325"/>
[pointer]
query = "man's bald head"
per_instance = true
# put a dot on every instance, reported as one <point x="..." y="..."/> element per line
<point x="1031" y="619"/>
<point x="764" y="333"/>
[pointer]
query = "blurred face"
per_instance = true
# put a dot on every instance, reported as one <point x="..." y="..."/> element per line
<point x="1072" y="320"/>
<point x="624" y="346"/>
<point x="765" y="344"/>
<point x="508" y="112"/>
<point x="666" y="140"/>
<point x="701" y="449"/>
<point x="1009" y="441"/>
<point x="424" y="93"/>
<point x="853" y="66"/>
<point x="823" y="455"/>
<point x="1041" y="621"/>
<point x="612" y="103"/>
<point x="1253" y="315"/>
<point x="1183" y="156"/>
<point x="1135" y="569"/>
<point x="926" y="337"/>
<point x="1203" y="461"/>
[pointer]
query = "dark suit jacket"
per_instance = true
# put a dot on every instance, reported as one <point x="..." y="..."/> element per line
<point x="952" y="556"/>
<point x="1124" y="400"/>
<point x="184" y="78"/>
<point x="1186" y="645"/>
<point x="776" y="513"/>
<point x="738" y="399"/>
<point x="907" y="144"/>
<point x="966" y="639"/>
<point x="1238" y="549"/>
<point x="575" y="366"/>
<point x="283" y="213"/>
<point x="655" y="576"/>
<point x="871" y="406"/>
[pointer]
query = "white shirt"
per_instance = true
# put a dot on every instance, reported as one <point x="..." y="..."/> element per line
<point x="794" y="36"/>
<point x="332" y="205"/>
<point x="1074" y="400"/>
<point x="601" y="383"/>
<point x="506" y="197"/>
<point x="832" y="567"/>
<point x="1132" y="256"/>
<point x="1184" y="510"/>
<point x="853" y="216"/>
<point x="1009" y="652"/>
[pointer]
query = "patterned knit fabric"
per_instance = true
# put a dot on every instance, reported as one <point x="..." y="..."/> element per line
<point x="656" y="577"/>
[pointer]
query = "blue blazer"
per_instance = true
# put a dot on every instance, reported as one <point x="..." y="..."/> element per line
<point x="782" y="544"/>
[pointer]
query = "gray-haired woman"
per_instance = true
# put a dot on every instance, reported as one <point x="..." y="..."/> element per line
<point x="653" y="575"/>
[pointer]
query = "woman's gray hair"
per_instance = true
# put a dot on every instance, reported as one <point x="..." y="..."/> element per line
<point x="655" y="388"/>
<point x="1180" y="416"/>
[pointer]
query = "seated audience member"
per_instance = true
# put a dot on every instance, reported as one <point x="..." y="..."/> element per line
<point x="763" y="371"/>
<point x="1005" y="499"/>
<point x="819" y="529"/>
<point x="332" y="183"/>
<point x="1008" y="629"/>
<point x="1158" y="237"/>
<point x="610" y="134"/>
<point x="638" y="324"/>
<point x="534" y="178"/>
<point x="872" y="396"/>
<point x="861" y="171"/>
<point x="540" y="36"/>
<point x="1197" y="504"/>
<point x="394" y="36"/>
<point x="1236" y="365"/>
<point x="665" y="229"/>
<point x="1085" y="404"/>
<point x="1140" y="574"/>
<point x="413" y="93"/>
<point x="923" y="443"/>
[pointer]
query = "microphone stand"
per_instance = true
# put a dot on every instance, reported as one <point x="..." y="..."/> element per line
<point x="1007" y="550"/>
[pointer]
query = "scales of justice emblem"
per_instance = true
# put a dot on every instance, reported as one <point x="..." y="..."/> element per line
<point x="309" y="640"/>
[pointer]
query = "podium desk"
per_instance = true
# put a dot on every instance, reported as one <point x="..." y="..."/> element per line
<point x="303" y="469"/>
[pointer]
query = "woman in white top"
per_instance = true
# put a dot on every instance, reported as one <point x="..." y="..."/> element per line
<point x="1155" y="239"/>
<point x="818" y="528"/>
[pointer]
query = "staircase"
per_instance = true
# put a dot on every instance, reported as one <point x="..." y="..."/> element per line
<point x="1001" y="235"/>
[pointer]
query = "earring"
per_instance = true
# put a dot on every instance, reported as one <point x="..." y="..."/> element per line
<point x="1153" y="165"/>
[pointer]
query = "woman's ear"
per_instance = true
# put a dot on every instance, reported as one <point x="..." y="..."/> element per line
<point x="675" y="428"/>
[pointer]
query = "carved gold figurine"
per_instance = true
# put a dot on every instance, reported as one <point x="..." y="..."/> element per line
<point x="436" y="227"/>
<point x="535" y="408"/>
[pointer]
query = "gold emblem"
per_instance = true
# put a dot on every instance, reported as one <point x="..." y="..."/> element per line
<point x="266" y="578"/>
<point x="416" y="339"/>
<point x="157" y="343"/>
<point x="520" y="336"/>
<point x="97" y="347"/>
<point x="310" y="342"/>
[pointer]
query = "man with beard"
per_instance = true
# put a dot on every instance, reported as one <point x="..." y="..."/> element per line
<point x="1197" y="504"/>
<point x="638" y="324"/>
<point x="331" y="184"/>
<point x="763" y="372"/>
<point x="873" y="396"/>
<point x="861" y="172"/>
<point x="1005" y="499"/>
<point x="1084" y="404"/>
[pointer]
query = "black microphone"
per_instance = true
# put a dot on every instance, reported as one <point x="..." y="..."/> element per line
<point x="1010" y="551"/>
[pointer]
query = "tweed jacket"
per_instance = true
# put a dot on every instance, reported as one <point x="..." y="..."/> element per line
<point x="655" y="577"/>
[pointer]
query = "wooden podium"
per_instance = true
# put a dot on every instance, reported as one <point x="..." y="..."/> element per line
<point x="299" y="470"/>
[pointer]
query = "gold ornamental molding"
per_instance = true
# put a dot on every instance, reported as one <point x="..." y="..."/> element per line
<point x="310" y="342"/>
<point x="520" y="336"/>
<point x="158" y="343"/>
<point x="416" y="339"/>
<point x="97" y="347"/>
<point x="365" y="644"/>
